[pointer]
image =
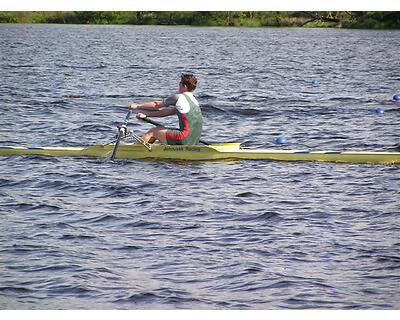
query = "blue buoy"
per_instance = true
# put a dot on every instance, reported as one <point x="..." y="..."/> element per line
<point x="379" y="110"/>
<point x="281" y="140"/>
<point x="396" y="97"/>
<point x="315" y="83"/>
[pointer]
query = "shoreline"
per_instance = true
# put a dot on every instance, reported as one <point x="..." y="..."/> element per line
<point x="373" y="20"/>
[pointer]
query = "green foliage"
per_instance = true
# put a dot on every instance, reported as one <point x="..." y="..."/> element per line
<point x="6" y="17"/>
<point x="374" y="20"/>
<point x="95" y="17"/>
<point x="362" y="19"/>
<point x="54" y="17"/>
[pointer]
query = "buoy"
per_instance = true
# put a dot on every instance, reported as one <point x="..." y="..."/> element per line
<point x="315" y="83"/>
<point x="281" y="140"/>
<point x="379" y="110"/>
<point x="396" y="97"/>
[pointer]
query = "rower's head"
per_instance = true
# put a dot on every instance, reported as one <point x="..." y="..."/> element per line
<point x="188" y="82"/>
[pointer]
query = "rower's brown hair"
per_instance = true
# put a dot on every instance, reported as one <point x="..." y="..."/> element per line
<point x="189" y="80"/>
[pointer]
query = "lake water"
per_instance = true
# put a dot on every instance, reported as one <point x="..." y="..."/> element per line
<point x="79" y="233"/>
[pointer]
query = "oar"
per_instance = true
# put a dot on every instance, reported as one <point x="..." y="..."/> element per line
<point x="157" y="124"/>
<point x="121" y="133"/>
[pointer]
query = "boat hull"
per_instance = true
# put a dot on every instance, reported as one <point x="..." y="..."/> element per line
<point x="202" y="153"/>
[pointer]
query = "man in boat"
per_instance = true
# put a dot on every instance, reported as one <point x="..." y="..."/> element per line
<point x="184" y="105"/>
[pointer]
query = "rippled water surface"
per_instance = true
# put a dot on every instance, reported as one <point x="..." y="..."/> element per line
<point x="93" y="234"/>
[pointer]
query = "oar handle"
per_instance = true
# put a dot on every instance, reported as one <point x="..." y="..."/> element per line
<point x="161" y="125"/>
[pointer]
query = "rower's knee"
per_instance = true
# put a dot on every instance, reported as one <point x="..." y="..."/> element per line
<point x="156" y="133"/>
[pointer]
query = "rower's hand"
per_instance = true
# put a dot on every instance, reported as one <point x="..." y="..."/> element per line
<point x="133" y="106"/>
<point x="141" y="116"/>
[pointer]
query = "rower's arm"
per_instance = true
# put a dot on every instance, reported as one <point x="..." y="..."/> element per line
<point x="161" y="113"/>
<point x="152" y="105"/>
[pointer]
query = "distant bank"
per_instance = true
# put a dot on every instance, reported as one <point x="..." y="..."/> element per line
<point x="334" y="19"/>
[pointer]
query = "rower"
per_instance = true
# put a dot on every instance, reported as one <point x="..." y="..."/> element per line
<point x="184" y="105"/>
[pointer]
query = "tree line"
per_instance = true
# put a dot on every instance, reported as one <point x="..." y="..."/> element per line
<point x="338" y="19"/>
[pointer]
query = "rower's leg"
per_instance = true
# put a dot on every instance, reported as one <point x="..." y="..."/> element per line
<point x="156" y="133"/>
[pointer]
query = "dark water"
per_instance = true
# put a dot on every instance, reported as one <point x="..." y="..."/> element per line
<point x="93" y="234"/>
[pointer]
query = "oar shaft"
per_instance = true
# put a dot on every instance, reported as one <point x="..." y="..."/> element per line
<point x="127" y="117"/>
<point x="120" y="135"/>
<point x="158" y="124"/>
